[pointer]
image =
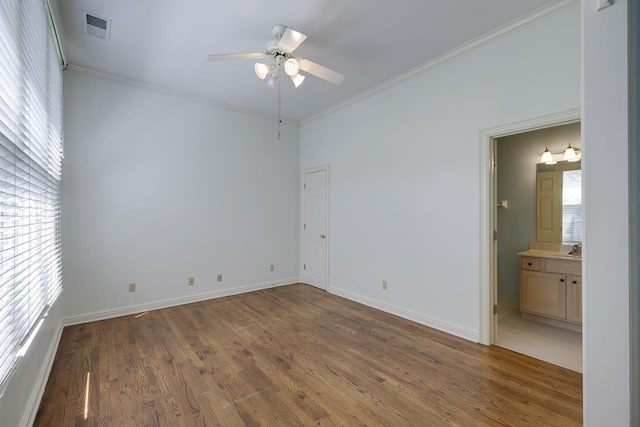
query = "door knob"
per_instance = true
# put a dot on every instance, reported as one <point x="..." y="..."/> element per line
<point x="322" y="236"/>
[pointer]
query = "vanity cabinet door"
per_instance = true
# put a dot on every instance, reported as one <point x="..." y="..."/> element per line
<point x="574" y="299"/>
<point x="544" y="294"/>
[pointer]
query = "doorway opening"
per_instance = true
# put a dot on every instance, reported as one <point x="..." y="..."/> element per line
<point x="509" y="224"/>
<point x="539" y="220"/>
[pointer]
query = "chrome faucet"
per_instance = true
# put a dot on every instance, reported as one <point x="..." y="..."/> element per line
<point x="577" y="249"/>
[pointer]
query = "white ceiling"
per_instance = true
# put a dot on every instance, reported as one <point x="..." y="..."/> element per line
<point x="165" y="42"/>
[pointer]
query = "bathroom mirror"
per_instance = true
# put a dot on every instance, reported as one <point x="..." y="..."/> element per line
<point x="559" y="202"/>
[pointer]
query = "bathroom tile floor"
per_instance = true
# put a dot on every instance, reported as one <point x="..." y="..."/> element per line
<point x="554" y="345"/>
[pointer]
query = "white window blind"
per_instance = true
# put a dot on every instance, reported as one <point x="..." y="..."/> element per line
<point x="572" y="206"/>
<point x="30" y="174"/>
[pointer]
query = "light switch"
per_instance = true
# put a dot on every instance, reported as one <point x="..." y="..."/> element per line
<point x="604" y="3"/>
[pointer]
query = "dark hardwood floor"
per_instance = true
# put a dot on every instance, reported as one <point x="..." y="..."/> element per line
<point x="294" y="355"/>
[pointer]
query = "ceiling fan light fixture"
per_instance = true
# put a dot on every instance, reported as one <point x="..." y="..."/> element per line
<point x="291" y="66"/>
<point x="262" y="70"/>
<point x="297" y="79"/>
<point x="272" y="81"/>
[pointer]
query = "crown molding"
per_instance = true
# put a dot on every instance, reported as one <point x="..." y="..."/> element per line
<point x="139" y="84"/>
<point x="498" y="33"/>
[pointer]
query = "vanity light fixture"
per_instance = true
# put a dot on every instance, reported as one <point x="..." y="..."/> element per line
<point x="570" y="154"/>
<point x="546" y="156"/>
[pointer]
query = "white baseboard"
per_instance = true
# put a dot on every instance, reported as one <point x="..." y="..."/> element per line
<point x="440" y="325"/>
<point x="553" y="322"/>
<point x="43" y="377"/>
<point x="134" y="309"/>
<point x="38" y="391"/>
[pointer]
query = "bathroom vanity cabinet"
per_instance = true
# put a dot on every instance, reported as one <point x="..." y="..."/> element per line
<point x="551" y="289"/>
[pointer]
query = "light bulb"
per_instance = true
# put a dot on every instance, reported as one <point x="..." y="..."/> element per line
<point x="297" y="79"/>
<point x="262" y="70"/>
<point x="570" y="154"/>
<point x="546" y="156"/>
<point x="272" y="81"/>
<point x="291" y="66"/>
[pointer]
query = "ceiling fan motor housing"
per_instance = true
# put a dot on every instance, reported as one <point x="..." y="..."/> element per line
<point x="278" y="30"/>
<point x="272" y="47"/>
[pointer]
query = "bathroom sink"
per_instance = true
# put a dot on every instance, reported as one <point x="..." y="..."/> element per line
<point x="553" y="250"/>
<point x="538" y="252"/>
<point x="560" y="254"/>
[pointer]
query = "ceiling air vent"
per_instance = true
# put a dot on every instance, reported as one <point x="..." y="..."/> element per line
<point x="96" y="26"/>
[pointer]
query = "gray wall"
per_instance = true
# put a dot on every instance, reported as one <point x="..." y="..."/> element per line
<point x="160" y="188"/>
<point x="405" y="170"/>
<point x="517" y="157"/>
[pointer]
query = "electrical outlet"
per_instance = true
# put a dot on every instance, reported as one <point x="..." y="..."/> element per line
<point x="272" y="267"/>
<point x="384" y="284"/>
<point x="132" y="287"/>
<point x="219" y="277"/>
<point x="192" y="281"/>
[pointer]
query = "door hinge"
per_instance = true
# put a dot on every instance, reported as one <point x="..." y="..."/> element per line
<point x="304" y="266"/>
<point x="495" y="234"/>
<point x="305" y="186"/>
<point x="495" y="309"/>
<point x="305" y="226"/>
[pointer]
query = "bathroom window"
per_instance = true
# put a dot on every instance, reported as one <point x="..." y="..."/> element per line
<point x="572" y="206"/>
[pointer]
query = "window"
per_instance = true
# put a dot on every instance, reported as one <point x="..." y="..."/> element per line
<point x="30" y="175"/>
<point x="572" y="206"/>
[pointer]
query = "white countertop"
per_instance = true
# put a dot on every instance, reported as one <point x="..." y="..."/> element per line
<point x="550" y="254"/>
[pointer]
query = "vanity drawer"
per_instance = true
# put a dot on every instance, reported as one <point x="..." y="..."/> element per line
<point x="530" y="263"/>
<point x="570" y="267"/>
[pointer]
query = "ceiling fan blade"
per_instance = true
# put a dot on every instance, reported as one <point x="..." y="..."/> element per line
<point x="232" y="56"/>
<point x="320" y="71"/>
<point x="290" y="40"/>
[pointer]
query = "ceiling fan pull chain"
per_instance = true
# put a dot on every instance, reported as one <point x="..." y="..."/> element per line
<point x="279" y="108"/>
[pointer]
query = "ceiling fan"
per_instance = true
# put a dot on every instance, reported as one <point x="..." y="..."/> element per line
<point x="281" y="58"/>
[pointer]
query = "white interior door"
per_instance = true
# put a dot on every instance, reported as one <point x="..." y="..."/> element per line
<point x="315" y="227"/>
<point x="494" y="245"/>
<point x="549" y="206"/>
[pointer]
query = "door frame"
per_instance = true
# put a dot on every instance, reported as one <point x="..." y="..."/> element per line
<point x="488" y="211"/>
<point x="303" y="173"/>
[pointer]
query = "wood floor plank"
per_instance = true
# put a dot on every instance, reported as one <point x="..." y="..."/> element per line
<point x="294" y="355"/>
